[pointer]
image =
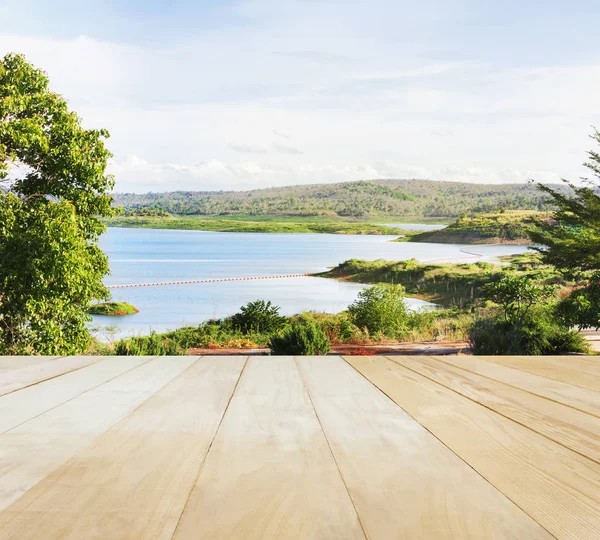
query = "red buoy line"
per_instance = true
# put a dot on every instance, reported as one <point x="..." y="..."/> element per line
<point x="192" y="281"/>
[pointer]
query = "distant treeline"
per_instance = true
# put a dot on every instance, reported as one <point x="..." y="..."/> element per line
<point x="362" y="199"/>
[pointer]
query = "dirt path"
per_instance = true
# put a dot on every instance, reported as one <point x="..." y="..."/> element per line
<point x="424" y="348"/>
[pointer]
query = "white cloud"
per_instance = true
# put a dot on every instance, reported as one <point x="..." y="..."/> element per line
<point x="320" y="98"/>
<point x="248" y="148"/>
<point x="289" y="150"/>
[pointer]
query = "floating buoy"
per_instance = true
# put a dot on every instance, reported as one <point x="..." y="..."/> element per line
<point x="194" y="281"/>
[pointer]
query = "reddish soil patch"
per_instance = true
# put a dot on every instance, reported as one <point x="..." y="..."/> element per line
<point x="409" y="349"/>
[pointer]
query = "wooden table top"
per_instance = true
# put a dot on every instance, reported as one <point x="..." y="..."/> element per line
<point x="300" y="447"/>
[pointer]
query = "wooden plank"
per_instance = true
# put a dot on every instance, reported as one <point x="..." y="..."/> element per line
<point x="134" y="480"/>
<point x="19" y="362"/>
<point x="566" y="369"/>
<point x="31" y="451"/>
<point x="27" y="403"/>
<point x="404" y="482"/>
<point x="269" y="472"/>
<point x="574" y="396"/>
<point x="573" y="429"/>
<point x="16" y="379"/>
<point x="557" y="487"/>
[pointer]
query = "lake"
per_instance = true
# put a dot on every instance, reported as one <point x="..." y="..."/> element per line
<point x="153" y="255"/>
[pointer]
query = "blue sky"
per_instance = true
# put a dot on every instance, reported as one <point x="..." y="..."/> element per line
<point x="253" y="93"/>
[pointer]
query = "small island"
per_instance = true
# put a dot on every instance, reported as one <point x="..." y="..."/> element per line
<point x="113" y="309"/>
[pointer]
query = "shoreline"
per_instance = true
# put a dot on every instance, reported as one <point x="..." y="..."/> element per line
<point x="281" y="227"/>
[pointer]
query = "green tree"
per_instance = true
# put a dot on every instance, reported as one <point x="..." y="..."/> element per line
<point x="51" y="267"/>
<point x="527" y="323"/>
<point x="258" y="316"/>
<point x="572" y="240"/>
<point x="380" y="309"/>
<point x="540" y="333"/>
<point x="516" y="295"/>
<point x="582" y="307"/>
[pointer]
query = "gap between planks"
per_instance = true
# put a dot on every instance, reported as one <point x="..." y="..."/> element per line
<point x="31" y="451"/>
<point x="581" y="399"/>
<point x="18" y="379"/>
<point x="134" y="479"/>
<point x="404" y="481"/>
<point x="269" y="472"/>
<point x="557" y="487"/>
<point x="28" y="403"/>
<point x="563" y="425"/>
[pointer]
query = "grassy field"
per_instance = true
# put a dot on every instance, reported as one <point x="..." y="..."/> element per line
<point x="264" y="224"/>
<point x="509" y="227"/>
<point x="328" y="219"/>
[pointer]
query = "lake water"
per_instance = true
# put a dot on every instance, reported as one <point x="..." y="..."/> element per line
<point x="149" y="255"/>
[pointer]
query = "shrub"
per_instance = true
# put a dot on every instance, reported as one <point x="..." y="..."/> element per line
<point x="381" y="309"/>
<point x="338" y="327"/>
<point x="306" y="339"/>
<point x="539" y="334"/>
<point x="439" y="325"/>
<point x="516" y="295"/>
<point x="152" y="345"/>
<point x="259" y="317"/>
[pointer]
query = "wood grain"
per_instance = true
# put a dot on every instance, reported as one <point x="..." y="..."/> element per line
<point x="404" y="482"/>
<point x="148" y="463"/>
<point x="269" y="472"/>
<point x="18" y="362"/>
<point x="573" y="429"/>
<point x="574" y="370"/>
<point x="31" y="451"/>
<point x="557" y="487"/>
<point x="574" y="396"/>
<point x="15" y="379"/>
<point x="27" y="403"/>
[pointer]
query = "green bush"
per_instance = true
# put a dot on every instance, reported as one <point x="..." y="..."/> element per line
<point x="259" y="317"/>
<point x="306" y="339"/>
<point x="381" y="309"/>
<point x="152" y="345"/>
<point x="338" y="327"/>
<point x="540" y="334"/>
<point x="438" y="325"/>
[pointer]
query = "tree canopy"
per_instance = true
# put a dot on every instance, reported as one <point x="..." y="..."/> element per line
<point x="572" y="240"/>
<point x="53" y="190"/>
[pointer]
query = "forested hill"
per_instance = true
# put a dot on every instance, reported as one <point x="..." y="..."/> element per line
<point x="362" y="199"/>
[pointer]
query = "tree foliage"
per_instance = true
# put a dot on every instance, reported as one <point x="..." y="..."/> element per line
<point x="53" y="189"/>
<point x="259" y="316"/>
<point x="540" y="333"/>
<point x="572" y="240"/>
<point x="380" y="309"/>
<point x="347" y="199"/>
<point x="582" y="307"/>
<point x="516" y="295"/>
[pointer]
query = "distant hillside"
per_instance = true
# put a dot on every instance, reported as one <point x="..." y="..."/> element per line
<point x="362" y="199"/>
